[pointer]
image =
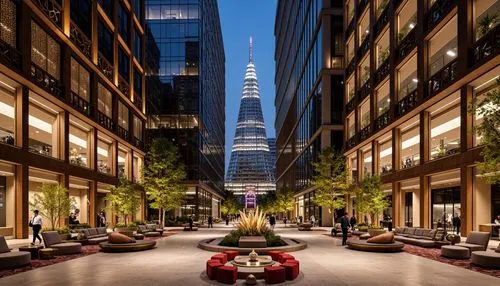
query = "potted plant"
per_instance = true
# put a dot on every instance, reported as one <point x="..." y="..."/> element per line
<point x="64" y="232"/>
<point x="127" y="229"/>
<point x="486" y="24"/>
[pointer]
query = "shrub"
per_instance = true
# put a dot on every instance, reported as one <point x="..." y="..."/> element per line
<point x="63" y="230"/>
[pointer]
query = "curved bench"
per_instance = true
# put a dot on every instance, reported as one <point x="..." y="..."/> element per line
<point x="363" y="245"/>
<point x="127" y="247"/>
<point x="486" y="258"/>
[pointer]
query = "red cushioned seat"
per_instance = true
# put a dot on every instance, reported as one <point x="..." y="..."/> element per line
<point x="221" y="257"/>
<point x="291" y="270"/>
<point x="231" y="254"/>
<point x="274" y="254"/>
<point x="274" y="274"/>
<point x="212" y="266"/>
<point x="284" y="257"/>
<point x="293" y="261"/>
<point x="227" y="274"/>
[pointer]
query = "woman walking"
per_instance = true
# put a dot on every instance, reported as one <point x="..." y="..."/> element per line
<point x="36" y="224"/>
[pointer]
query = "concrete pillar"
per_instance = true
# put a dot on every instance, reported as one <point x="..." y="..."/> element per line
<point x="425" y="196"/>
<point x="466" y="200"/>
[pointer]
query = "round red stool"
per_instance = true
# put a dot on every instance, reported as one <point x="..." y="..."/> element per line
<point x="221" y="257"/>
<point x="227" y="274"/>
<point x="212" y="266"/>
<point x="274" y="254"/>
<point x="291" y="270"/>
<point x="231" y="254"/>
<point x="293" y="261"/>
<point x="274" y="274"/>
<point x="283" y="257"/>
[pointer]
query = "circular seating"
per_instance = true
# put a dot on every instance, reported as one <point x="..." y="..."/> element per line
<point x="363" y="245"/>
<point x="212" y="267"/>
<point x="227" y="274"/>
<point x="274" y="274"/>
<point x="283" y="257"/>
<point x="455" y="252"/>
<point x="46" y="253"/>
<point x="231" y="254"/>
<point x="152" y="234"/>
<point x="127" y="247"/>
<point x="222" y="257"/>
<point x="274" y="254"/>
<point x="486" y="258"/>
<point x="291" y="269"/>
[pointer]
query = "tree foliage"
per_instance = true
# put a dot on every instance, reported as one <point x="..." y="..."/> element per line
<point x="489" y="130"/>
<point x="230" y="205"/>
<point x="370" y="198"/>
<point x="53" y="202"/>
<point x="330" y="180"/>
<point x="163" y="177"/>
<point x="125" y="199"/>
<point x="284" y="202"/>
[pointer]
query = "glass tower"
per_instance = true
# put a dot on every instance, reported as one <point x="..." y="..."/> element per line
<point x="250" y="166"/>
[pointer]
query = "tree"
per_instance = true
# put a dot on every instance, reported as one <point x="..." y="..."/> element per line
<point x="267" y="202"/>
<point x="230" y="205"/>
<point x="370" y="197"/>
<point x="489" y="131"/>
<point x="163" y="177"/>
<point x="284" y="202"/>
<point x="53" y="203"/>
<point x="330" y="181"/>
<point x="125" y="198"/>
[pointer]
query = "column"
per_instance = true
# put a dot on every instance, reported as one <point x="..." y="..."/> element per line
<point x="466" y="175"/>
<point x="396" y="204"/>
<point x="425" y="202"/>
<point x="22" y="201"/>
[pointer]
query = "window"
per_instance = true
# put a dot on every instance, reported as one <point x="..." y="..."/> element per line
<point x="350" y="49"/>
<point x="79" y="136"/>
<point x="350" y="10"/>
<point x="79" y="192"/>
<point x="365" y="113"/>
<point x="407" y="19"/>
<point x="367" y="161"/>
<point x="383" y="99"/>
<point x="43" y="129"/>
<point x="137" y="127"/>
<point x="123" y="119"/>
<point x="364" y="71"/>
<point x="352" y="163"/>
<point x="410" y="143"/>
<point x="382" y="49"/>
<point x="137" y="9"/>
<point x="364" y="27"/>
<point x="193" y="12"/>
<point x="123" y="64"/>
<point x="7" y="195"/>
<point x="45" y="51"/>
<point x="138" y="82"/>
<point x="380" y="6"/>
<point x="123" y="164"/>
<point x="137" y="45"/>
<point x="350" y="88"/>
<point x="137" y="166"/>
<point x="104" y="154"/>
<point x="407" y="78"/>
<point x="385" y="154"/>
<point x="486" y="16"/>
<point x="80" y="15"/>
<point x="443" y="47"/>
<point x="351" y="129"/>
<point x="104" y="101"/>
<point x="8" y="20"/>
<point x="105" y="41"/>
<point x="80" y="80"/>
<point x="7" y="111"/>
<point x="123" y="22"/>
<point x="107" y="6"/>
<point x="445" y="127"/>
<point x="485" y="86"/>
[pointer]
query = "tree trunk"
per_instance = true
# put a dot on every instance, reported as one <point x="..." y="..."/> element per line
<point x="160" y="219"/>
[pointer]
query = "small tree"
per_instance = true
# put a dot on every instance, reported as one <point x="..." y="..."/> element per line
<point x="285" y="201"/>
<point x="330" y="180"/>
<point x="163" y="177"/>
<point x="489" y="131"/>
<point x="230" y="205"/>
<point x="370" y="197"/>
<point x="125" y="198"/>
<point x="53" y="203"/>
<point x="267" y="202"/>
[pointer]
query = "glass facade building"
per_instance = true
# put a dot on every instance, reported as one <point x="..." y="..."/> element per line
<point x="309" y="94"/>
<point x="186" y="92"/>
<point x="250" y="165"/>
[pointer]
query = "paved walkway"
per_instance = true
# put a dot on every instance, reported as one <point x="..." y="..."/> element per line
<point x="178" y="261"/>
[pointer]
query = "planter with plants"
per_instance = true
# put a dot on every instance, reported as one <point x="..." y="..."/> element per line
<point x="126" y="229"/>
<point x="486" y="24"/>
<point x="375" y="230"/>
<point x="64" y="232"/>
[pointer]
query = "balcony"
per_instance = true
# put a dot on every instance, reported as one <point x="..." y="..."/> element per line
<point x="350" y="67"/>
<point x="362" y="5"/>
<point x="365" y="132"/>
<point x="365" y="45"/>
<point x="351" y="142"/>
<point x="365" y="90"/>
<point x="137" y="101"/>
<point x="123" y="86"/>
<point x="350" y="27"/>
<point x="51" y="9"/>
<point x="407" y="103"/>
<point x="486" y="47"/>
<point x="80" y="40"/>
<point x="105" y="120"/>
<point x="351" y="104"/>
<point x="137" y="142"/>
<point x="105" y="67"/>
<point x="80" y="104"/>
<point x="438" y="11"/>
<point x="383" y="120"/>
<point x="406" y="44"/>
<point x="46" y="81"/>
<point x="382" y="72"/>
<point x="442" y="78"/>
<point x="382" y="20"/>
<point x="122" y="132"/>
<point x="10" y="55"/>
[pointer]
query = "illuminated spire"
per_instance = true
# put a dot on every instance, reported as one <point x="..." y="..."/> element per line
<point x="251" y="56"/>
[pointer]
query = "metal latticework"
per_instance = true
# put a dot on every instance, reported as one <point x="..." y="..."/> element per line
<point x="251" y="166"/>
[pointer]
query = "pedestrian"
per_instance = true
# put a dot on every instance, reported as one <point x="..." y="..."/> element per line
<point x="457" y="222"/>
<point x="313" y="220"/>
<point x="102" y="219"/>
<point x="36" y="224"/>
<point x="210" y="222"/>
<point x="272" y="221"/>
<point x="344" y="224"/>
<point x="190" y="222"/>
<point x="353" y="222"/>
<point x="227" y="219"/>
<point x="284" y="220"/>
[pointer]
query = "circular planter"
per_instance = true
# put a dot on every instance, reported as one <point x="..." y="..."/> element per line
<point x="375" y="231"/>
<point x="212" y="244"/>
<point x="129" y="231"/>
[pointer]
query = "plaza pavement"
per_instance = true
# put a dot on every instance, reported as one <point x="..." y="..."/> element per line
<point x="178" y="261"/>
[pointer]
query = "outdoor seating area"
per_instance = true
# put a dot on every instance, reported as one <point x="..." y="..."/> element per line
<point x="421" y="236"/>
<point x="12" y="259"/>
<point x="487" y="258"/>
<point x="380" y="243"/>
<point x="149" y="230"/>
<point x="118" y="242"/>
<point x="52" y="239"/>
<point x="95" y="235"/>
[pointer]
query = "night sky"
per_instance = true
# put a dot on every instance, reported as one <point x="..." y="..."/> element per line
<point x="241" y="19"/>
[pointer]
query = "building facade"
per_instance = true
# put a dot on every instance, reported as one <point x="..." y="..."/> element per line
<point x="71" y="112"/>
<point x="309" y="94"/>
<point x="186" y="95"/>
<point x="271" y="142"/>
<point x="412" y="68"/>
<point x="250" y="167"/>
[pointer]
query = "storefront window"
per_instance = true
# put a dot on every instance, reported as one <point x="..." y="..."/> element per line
<point x="79" y="136"/>
<point x="445" y="199"/>
<point x="383" y="99"/>
<point x="43" y="129"/>
<point x="123" y="164"/>
<point x="443" y="47"/>
<point x="7" y="199"/>
<point x="407" y="78"/>
<point x="38" y="177"/>
<point x="411" y="204"/>
<point x="79" y="192"/>
<point x="385" y="154"/>
<point x="352" y="164"/>
<point x="445" y="127"/>
<point x="104" y="154"/>
<point x="410" y="143"/>
<point x="7" y="111"/>
<point x="367" y="161"/>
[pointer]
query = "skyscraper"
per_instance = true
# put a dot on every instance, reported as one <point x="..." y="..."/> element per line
<point x="250" y="167"/>
<point x="187" y="95"/>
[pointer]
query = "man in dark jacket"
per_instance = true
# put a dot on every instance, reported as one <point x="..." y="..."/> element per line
<point x="353" y="222"/>
<point x="344" y="224"/>
<point x="210" y="222"/>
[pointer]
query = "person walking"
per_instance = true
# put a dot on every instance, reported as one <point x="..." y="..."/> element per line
<point x="457" y="222"/>
<point x="272" y="221"/>
<point x="284" y="220"/>
<point x="191" y="223"/>
<point x="313" y="220"/>
<point x="353" y="222"/>
<point x="36" y="224"/>
<point x="227" y="220"/>
<point x="210" y="222"/>
<point x="344" y="224"/>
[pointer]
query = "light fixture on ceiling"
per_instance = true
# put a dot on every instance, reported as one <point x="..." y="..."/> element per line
<point x="415" y="80"/>
<point x="412" y="25"/>
<point x="451" y="53"/>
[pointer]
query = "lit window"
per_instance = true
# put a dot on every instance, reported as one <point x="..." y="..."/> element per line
<point x="43" y="128"/>
<point x="8" y="20"/>
<point x="445" y="127"/>
<point x="80" y="80"/>
<point x="104" y="102"/>
<point x="45" y="51"/>
<point x="7" y="111"/>
<point x="79" y="136"/>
